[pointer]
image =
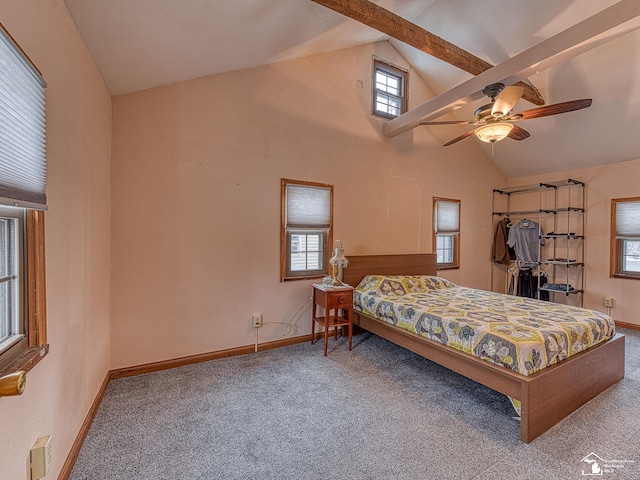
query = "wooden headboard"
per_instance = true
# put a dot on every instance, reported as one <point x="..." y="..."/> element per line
<point x="410" y="264"/>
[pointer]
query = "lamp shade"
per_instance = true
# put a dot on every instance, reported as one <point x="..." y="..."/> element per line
<point x="493" y="132"/>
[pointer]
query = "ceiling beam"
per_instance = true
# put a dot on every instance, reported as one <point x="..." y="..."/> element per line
<point x="586" y="35"/>
<point x="397" y="27"/>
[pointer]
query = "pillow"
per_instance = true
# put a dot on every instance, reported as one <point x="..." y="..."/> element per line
<point x="398" y="285"/>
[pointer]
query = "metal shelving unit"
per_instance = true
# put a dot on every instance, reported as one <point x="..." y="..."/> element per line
<point x="561" y="214"/>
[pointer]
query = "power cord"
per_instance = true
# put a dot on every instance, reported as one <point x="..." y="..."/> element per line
<point x="291" y="324"/>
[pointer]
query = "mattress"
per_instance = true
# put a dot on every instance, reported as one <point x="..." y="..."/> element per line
<point x="521" y="334"/>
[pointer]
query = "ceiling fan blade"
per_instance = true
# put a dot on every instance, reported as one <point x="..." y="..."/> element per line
<point x="518" y="133"/>
<point x="461" y="137"/>
<point x="506" y="100"/>
<point x="555" y="109"/>
<point x="452" y="122"/>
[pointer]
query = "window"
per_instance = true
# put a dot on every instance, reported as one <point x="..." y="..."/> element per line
<point x="11" y="327"/>
<point x="307" y="222"/>
<point x="446" y="232"/>
<point x="22" y="201"/>
<point x="389" y="90"/>
<point x="625" y="238"/>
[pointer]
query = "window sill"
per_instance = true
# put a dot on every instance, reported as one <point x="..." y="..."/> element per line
<point x="447" y="267"/>
<point x="27" y="360"/>
<point x="312" y="277"/>
<point x="629" y="277"/>
<point x="384" y="116"/>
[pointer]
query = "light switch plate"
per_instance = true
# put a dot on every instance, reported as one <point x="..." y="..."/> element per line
<point x="41" y="457"/>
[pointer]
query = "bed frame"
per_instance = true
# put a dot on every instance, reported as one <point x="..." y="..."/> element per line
<point x="547" y="396"/>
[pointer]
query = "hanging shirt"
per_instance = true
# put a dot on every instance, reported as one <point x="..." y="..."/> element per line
<point x="525" y="238"/>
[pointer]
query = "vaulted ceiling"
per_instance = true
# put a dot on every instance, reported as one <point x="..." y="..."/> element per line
<point x="137" y="44"/>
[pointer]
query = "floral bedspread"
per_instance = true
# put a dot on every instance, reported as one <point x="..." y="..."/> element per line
<point x="521" y="334"/>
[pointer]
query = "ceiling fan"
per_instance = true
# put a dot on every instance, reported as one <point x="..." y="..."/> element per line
<point x="493" y="120"/>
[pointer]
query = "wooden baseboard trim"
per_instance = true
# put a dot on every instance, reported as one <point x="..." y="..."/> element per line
<point x="631" y="326"/>
<point x="178" y="362"/>
<point x="204" y="357"/>
<point x="285" y="342"/>
<point x="84" y="429"/>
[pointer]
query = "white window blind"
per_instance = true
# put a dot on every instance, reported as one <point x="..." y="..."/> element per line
<point x="447" y="217"/>
<point x="628" y="220"/>
<point x="22" y="128"/>
<point x="308" y="207"/>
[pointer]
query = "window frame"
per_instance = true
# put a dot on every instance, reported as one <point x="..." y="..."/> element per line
<point x="286" y="274"/>
<point x="24" y="355"/>
<point x="391" y="71"/>
<point x="455" y="264"/>
<point x="617" y="244"/>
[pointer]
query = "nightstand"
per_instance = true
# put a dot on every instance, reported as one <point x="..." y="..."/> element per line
<point x="336" y="299"/>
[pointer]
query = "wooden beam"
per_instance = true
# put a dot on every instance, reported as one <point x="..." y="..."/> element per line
<point x="397" y="27"/>
<point x="586" y="35"/>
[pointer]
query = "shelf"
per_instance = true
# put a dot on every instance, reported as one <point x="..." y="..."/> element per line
<point x="334" y="321"/>
<point x="548" y="211"/>
<point x="537" y="187"/>
<point x="559" y="208"/>
<point x="519" y="212"/>
<point x="563" y="235"/>
<point x="566" y="292"/>
<point x="568" y="264"/>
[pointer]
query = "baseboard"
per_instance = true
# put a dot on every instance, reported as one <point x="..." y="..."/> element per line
<point x="632" y="326"/>
<point x="84" y="429"/>
<point x="204" y="357"/>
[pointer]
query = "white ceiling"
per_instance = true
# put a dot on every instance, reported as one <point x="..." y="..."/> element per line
<point x="138" y="44"/>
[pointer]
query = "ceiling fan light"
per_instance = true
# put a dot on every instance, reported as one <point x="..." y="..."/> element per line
<point x="493" y="132"/>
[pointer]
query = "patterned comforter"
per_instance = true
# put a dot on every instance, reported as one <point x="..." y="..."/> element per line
<point x="518" y="333"/>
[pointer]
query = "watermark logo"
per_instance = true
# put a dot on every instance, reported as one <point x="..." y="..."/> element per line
<point x="594" y="465"/>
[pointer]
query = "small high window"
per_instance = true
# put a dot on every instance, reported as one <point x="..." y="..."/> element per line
<point x="625" y="238"/>
<point x="389" y="90"/>
<point x="306" y="230"/>
<point x="446" y="232"/>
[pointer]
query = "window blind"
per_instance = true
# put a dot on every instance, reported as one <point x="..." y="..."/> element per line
<point x="308" y="207"/>
<point x="22" y="128"/>
<point x="628" y="220"/>
<point x="447" y="217"/>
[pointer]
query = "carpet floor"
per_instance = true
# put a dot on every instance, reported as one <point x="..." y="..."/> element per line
<point x="377" y="412"/>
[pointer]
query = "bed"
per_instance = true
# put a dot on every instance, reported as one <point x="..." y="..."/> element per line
<point x="546" y="396"/>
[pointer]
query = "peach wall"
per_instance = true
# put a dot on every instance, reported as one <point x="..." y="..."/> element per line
<point x="196" y="174"/>
<point x="61" y="388"/>
<point x="618" y="180"/>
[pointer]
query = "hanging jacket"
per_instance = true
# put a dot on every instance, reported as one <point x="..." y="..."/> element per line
<point x="501" y="252"/>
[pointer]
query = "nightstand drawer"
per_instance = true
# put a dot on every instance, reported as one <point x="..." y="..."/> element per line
<point x="340" y="299"/>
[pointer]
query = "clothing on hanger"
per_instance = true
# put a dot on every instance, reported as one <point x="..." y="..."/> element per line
<point x="525" y="238"/>
<point x="501" y="252"/>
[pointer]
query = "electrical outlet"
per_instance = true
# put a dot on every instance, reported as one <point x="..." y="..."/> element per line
<point x="608" y="302"/>
<point x="41" y="457"/>
<point x="257" y="320"/>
